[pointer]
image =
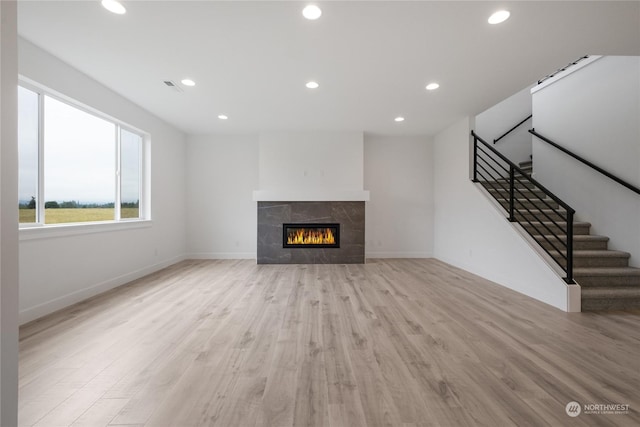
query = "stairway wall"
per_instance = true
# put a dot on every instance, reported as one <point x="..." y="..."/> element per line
<point x="471" y="233"/>
<point x="594" y="112"/>
<point x="494" y="122"/>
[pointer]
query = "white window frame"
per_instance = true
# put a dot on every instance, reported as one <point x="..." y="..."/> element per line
<point x="39" y="229"/>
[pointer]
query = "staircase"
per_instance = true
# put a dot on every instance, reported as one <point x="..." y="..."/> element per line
<point x="607" y="281"/>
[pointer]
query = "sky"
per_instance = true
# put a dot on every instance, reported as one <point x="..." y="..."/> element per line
<point x="79" y="155"/>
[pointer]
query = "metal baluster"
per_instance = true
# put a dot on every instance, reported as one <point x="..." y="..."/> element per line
<point x="569" y="246"/>
<point x="512" y="184"/>
<point x="475" y="158"/>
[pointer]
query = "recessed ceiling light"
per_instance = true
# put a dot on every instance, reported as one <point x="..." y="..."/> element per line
<point x="188" y="82"/>
<point x="114" y="6"/>
<point x="311" y="12"/>
<point x="312" y="85"/>
<point x="399" y="119"/>
<point x="222" y="117"/>
<point x="432" y="86"/>
<point x="498" y="17"/>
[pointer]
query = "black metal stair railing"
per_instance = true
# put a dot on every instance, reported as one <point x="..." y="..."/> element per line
<point x="586" y="162"/>
<point x="527" y="202"/>
<point x="559" y="70"/>
<point x="512" y="129"/>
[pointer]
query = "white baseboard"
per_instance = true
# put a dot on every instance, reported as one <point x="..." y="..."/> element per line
<point x="221" y="255"/>
<point x="252" y="255"/>
<point x="384" y="254"/>
<point x="32" y="313"/>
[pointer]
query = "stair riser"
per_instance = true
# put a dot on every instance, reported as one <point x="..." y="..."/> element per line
<point x="539" y="216"/>
<point x="577" y="245"/>
<point x="518" y="194"/>
<point x="518" y="184"/>
<point x="536" y="204"/>
<point x="590" y="245"/>
<point x="579" y="262"/>
<point x="559" y="247"/>
<point x="609" y="281"/>
<point x="610" y="304"/>
<point x="551" y="228"/>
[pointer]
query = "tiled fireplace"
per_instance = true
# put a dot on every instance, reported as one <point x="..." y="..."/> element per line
<point x="311" y="232"/>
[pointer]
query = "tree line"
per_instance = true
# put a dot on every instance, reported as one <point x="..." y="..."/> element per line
<point x="72" y="204"/>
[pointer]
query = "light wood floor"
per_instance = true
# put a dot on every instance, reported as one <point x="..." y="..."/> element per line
<point x="392" y="342"/>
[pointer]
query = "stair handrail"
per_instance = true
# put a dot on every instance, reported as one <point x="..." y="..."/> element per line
<point x="559" y="70"/>
<point x="568" y="268"/>
<point x="512" y="129"/>
<point x="586" y="162"/>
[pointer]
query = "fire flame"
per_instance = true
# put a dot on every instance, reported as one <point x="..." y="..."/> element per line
<point x="308" y="236"/>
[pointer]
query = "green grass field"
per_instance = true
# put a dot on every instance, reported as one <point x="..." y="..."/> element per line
<point x="27" y="215"/>
<point x="60" y="216"/>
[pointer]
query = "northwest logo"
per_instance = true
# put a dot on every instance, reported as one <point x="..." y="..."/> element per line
<point x="573" y="409"/>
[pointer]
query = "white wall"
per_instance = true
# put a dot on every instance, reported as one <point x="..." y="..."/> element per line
<point x="311" y="161"/>
<point x="497" y="120"/>
<point x="8" y="216"/>
<point x="222" y="173"/>
<point x="60" y="270"/>
<point x="594" y="112"/>
<point x="472" y="234"/>
<point x="399" y="216"/>
<point x="224" y="169"/>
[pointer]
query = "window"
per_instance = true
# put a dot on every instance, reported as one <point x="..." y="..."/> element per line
<point x="130" y="161"/>
<point x="75" y="166"/>
<point x="28" y="114"/>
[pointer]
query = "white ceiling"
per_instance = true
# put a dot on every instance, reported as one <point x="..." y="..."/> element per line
<point x="372" y="59"/>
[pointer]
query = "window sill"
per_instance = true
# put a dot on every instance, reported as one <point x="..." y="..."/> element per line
<point x="64" y="230"/>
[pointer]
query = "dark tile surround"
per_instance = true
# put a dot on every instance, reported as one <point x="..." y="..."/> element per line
<point x="271" y="216"/>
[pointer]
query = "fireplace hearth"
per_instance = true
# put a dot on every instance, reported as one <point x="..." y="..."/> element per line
<point x="310" y="235"/>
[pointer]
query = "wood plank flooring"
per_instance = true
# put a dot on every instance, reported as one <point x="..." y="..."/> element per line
<point x="393" y="342"/>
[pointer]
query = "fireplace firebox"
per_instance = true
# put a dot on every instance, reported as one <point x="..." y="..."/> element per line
<point x="310" y="235"/>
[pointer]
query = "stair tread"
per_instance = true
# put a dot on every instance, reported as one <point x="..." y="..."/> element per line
<point x="578" y="223"/>
<point x="537" y="216"/>
<point x="516" y="194"/>
<point x="576" y="237"/>
<point x="596" y="253"/>
<point x="605" y="271"/>
<point x="538" y="210"/>
<point x="498" y="187"/>
<point x="547" y="200"/>
<point x="611" y="292"/>
<point x="520" y="184"/>
<point x="523" y="199"/>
